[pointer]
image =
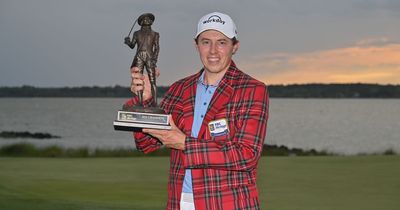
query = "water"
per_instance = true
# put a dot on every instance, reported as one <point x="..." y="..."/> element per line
<point x="81" y="122"/>
<point x="345" y="126"/>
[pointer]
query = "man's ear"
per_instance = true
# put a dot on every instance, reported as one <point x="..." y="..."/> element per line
<point x="236" y="47"/>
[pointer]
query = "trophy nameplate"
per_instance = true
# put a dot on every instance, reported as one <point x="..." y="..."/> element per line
<point x="129" y="121"/>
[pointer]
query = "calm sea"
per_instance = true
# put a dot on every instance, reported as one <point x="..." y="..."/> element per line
<point x="345" y="126"/>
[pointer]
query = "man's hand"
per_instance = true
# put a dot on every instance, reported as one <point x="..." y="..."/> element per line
<point x="173" y="138"/>
<point x="141" y="82"/>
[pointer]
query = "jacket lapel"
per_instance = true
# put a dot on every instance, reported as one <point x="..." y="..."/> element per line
<point x="221" y="97"/>
<point x="188" y="102"/>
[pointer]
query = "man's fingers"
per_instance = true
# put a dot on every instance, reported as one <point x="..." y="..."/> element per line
<point x="153" y="131"/>
<point x="138" y="82"/>
<point x="135" y="70"/>
<point x="172" y="121"/>
<point x="135" y="73"/>
<point x="157" y="72"/>
<point x="138" y="76"/>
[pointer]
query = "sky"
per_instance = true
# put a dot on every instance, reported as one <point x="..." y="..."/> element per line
<point x="55" y="43"/>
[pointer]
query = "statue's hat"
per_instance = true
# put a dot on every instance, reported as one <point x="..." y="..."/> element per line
<point x="141" y="17"/>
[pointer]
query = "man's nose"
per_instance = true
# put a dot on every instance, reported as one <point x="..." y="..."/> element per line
<point x="213" y="48"/>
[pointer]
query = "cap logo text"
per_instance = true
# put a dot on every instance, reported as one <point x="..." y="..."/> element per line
<point x="214" y="18"/>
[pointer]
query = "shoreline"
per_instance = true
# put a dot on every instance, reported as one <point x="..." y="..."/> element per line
<point x="24" y="149"/>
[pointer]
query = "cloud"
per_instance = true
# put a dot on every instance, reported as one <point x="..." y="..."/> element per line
<point x="375" y="41"/>
<point x="392" y="6"/>
<point x="374" y="60"/>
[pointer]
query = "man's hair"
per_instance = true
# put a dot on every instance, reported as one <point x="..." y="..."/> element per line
<point x="234" y="40"/>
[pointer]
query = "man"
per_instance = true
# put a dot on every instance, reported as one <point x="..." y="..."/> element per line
<point x="148" y="47"/>
<point x="219" y="118"/>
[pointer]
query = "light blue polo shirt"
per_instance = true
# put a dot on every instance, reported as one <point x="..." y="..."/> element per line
<point x="204" y="94"/>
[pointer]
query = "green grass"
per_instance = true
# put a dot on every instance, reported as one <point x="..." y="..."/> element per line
<point x="285" y="183"/>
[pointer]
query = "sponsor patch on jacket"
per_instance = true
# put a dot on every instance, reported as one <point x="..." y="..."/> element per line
<point x="218" y="127"/>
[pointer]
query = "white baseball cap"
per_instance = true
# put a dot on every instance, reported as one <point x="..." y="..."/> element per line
<point x="219" y="22"/>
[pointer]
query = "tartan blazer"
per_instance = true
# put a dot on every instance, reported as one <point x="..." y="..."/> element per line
<point x="224" y="168"/>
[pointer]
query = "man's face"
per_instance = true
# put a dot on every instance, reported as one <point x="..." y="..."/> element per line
<point x="215" y="51"/>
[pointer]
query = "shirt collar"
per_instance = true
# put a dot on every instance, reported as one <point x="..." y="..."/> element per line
<point x="201" y="80"/>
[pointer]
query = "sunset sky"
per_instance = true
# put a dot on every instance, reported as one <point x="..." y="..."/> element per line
<point x="358" y="63"/>
<point x="53" y="43"/>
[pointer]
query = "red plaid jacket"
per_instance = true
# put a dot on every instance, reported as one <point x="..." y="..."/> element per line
<point x="224" y="168"/>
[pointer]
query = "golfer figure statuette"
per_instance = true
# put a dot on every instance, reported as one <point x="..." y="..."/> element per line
<point x="134" y="117"/>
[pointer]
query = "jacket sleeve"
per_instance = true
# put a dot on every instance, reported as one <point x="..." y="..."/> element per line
<point x="145" y="143"/>
<point x="243" y="149"/>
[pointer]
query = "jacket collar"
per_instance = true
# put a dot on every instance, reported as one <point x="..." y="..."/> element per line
<point x="220" y="98"/>
<point x="229" y="76"/>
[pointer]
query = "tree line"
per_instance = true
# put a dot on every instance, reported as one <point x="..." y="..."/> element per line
<point x="278" y="91"/>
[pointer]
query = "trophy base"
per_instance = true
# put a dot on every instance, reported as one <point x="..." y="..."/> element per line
<point x="137" y="118"/>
